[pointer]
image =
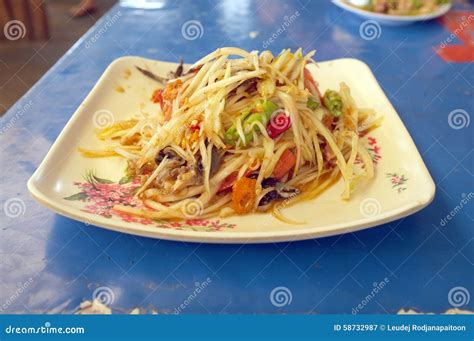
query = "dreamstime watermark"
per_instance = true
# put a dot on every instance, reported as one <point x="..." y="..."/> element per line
<point x="47" y="328"/>
<point x="368" y="123"/>
<point x="462" y="26"/>
<point x="103" y="119"/>
<point x="286" y="202"/>
<point x="192" y="30"/>
<point x="20" y="290"/>
<point x="458" y="297"/>
<point x="110" y="21"/>
<point x="459" y="119"/>
<point x="200" y="287"/>
<point x="104" y="295"/>
<point x="370" y="207"/>
<point x="466" y="198"/>
<point x="377" y="287"/>
<point x="287" y="21"/>
<point x="370" y="30"/>
<point x="281" y="296"/>
<point x="14" y="208"/>
<point x="192" y="208"/>
<point x="18" y="114"/>
<point x="14" y="30"/>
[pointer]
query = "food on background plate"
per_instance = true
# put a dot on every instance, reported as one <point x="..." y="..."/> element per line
<point x="400" y="7"/>
<point x="240" y="132"/>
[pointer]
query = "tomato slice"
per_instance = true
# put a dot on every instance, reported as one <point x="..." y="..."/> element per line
<point x="286" y="162"/>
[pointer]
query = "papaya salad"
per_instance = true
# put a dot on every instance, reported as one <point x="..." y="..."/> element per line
<point x="240" y="132"/>
<point x="403" y="7"/>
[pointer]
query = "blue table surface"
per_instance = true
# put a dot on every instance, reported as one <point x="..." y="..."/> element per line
<point x="49" y="263"/>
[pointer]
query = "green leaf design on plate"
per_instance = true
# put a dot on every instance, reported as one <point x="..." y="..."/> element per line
<point x="126" y="179"/>
<point x="102" y="181"/>
<point x="77" y="196"/>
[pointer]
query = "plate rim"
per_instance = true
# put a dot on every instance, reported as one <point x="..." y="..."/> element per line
<point x="231" y="237"/>
<point x="393" y="18"/>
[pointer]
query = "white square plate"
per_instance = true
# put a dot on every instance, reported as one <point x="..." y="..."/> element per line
<point x="402" y="184"/>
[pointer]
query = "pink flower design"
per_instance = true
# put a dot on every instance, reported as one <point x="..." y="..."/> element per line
<point x="373" y="149"/>
<point x="398" y="181"/>
<point x="102" y="195"/>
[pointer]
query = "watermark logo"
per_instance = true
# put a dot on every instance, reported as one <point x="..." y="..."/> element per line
<point x="278" y="208"/>
<point x="199" y="288"/>
<point x="281" y="296"/>
<point x="287" y="21"/>
<point x="367" y="124"/>
<point x="104" y="295"/>
<point x="370" y="30"/>
<point x="18" y="114"/>
<point x="19" y="291"/>
<point x="458" y="296"/>
<point x="462" y="26"/>
<point x="14" y="30"/>
<point x="47" y="328"/>
<point x="193" y="208"/>
<point x="192" y="30"/>
<point x="110" y="21"/>
<point x="14" y="208"/>
<point x="377" y="287"/>
<point x="459" y="119"/>
<point x="103" y="119"/>
<point x="466" y="198"/>
<point x="370" y="207"/>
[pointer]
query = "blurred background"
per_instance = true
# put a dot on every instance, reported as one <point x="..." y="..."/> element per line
<point x="52" y="27"/>
<point x="43" y="31"/>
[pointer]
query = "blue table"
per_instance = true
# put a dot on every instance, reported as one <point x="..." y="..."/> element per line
<point x="49" y="263"/>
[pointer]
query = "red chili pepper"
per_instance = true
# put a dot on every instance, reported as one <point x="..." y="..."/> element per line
<point x="311" y="84"/>
<point x="278" y="124"/>
<point x="230" y="180"/>
<point x="158" y="97"/>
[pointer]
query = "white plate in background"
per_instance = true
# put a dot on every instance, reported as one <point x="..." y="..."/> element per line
<point x="393" y="20"/>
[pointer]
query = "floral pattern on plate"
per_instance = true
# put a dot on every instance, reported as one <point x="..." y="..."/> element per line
<point x="101" y="195"/>
<point x="398" y="181"/>
<point x="374" y="150"/>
